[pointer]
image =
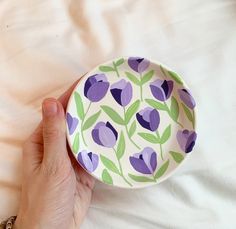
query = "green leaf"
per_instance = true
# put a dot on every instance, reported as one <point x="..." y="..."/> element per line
<point x="131" y="111"/>
<point x="187" y="112"/>
<point x="106" y="177"/>
<point x="166" y="134"/>
<point x="148" y="137"/>
<point x="119" y="62"/>
<point x="113" y="115"/>
<point x="140" y="178"/>
<point x="162" y="170"/>
<point x="75" y="145"/>
<point x="162" y="70"/>
<point x="147" y="77"/>
<point x="133" y="78"/>
<point x="91" y="120"/>
<point x="156" y="105"/>
<point x="178" y="157"/>
<point x="109" y="164"/>
<point x="121" y="146"/>
<point x="132" y="129"/>
<point x="176" y="77"/>
<point x="104" y="68"/>
<point x="174" y="109"/>
<point x="79" y="105"/>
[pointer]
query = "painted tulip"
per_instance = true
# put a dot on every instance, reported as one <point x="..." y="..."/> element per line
<point x="104" y="134"/>
<point x="161" y="89"/>
<point x="149" y="118"/>
<point x="144" y="162"/>
<point x="186" y="140"/>
<point x="88" y="160"/>
<point x="138" y="64"/>
<point x="122" y="92"/>
<point x="187" y="98"/>
<point x="72" y="123"/>
<point x="96" y="87"/>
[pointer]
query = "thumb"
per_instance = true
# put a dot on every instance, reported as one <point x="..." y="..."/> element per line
<point x="54" y="135"/>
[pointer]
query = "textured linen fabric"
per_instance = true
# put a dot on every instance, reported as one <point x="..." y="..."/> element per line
<point x="46" y="45"/>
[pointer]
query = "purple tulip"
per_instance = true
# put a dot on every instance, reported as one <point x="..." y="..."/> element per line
<point x="161" y="89"/>
<point x="144" y="162"/>
<point x="96" y="87"/>
<point x="104" y="134"/>
<point x="72" y="123"/>
<point x="88" y="160"/>
<point x="187" y="98"/>
<point x="122" y="92"/>
<point x="149" y="118"/>
<point x="138" y="64"/>
<point x="186" y="140"/>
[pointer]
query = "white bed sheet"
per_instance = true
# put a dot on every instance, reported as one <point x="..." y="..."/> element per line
<point x="46" y="45"/>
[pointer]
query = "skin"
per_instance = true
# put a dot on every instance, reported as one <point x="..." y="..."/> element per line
<point x="56" y="191"/>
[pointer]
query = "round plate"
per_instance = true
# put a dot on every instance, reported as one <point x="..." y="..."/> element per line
<point x="131" y="122"/>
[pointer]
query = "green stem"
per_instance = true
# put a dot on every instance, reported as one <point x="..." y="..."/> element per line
<point x="193" y="122"/>
<point x="154" y="179"/>
<point x="141" y="88"/>
<point x="121" y="171"/>
<point x="168" y="111"/>
<point x="158" y="136"/>
<point x="127" y="132"/>
<point x="82" y="123"/>
<point x="116" y="70"/>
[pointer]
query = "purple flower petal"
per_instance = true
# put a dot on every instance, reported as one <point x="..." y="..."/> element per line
<point x="88" y="160"/>
<point x="187" y="98"/>
<point x="144" y="162"/>
<point x="72" y="123"/>
<point x="139" y="165"/>
<point x="96" y="87"/>
<point x="191" y="142"/>
<point x="154" y="119"/>
<point x="153" y="161"/>
<point x="149" y="118"/>
<point x="122" y="92"/>
<point x="138" y="64"/>
<point x="108" y="124"/>
<point x="104" y="134"/>
<point x="162" y="89"/>
<point x="186" y="140"/>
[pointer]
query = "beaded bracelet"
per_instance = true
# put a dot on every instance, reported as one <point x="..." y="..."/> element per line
<point x="8" y="224"/>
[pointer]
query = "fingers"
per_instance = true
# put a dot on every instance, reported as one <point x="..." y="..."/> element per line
<point x="34" y="146"/>
<point x="54" y="136"/>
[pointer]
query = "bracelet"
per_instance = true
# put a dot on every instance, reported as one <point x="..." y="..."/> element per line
<point x="8" y="224"/>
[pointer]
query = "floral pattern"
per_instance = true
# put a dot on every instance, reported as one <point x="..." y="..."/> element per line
<point x="72" y="123"/>
<point x="119" y="124"/>
<point x="104" y="134"/>
<point x="186" y="140"/>
<point x="148" y="118"/>
<point x="162" y="89"/>
<point x="88" y="160"/>
<point x="96" y="87"/>
<point x="144" y="162"/>
<point x="122" y="92"/>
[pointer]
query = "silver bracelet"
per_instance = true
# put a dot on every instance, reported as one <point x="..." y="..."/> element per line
<point x="8" y="224"/>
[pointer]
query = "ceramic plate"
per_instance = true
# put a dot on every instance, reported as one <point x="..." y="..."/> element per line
<point x="131" y="122"/>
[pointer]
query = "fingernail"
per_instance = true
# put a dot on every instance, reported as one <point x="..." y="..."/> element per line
<point x="50" y="107"/>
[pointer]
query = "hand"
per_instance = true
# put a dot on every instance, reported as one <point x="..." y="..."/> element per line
<point x="56" y="191"/>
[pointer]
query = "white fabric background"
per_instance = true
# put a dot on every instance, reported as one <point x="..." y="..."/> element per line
<point x="45" y="45"/>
